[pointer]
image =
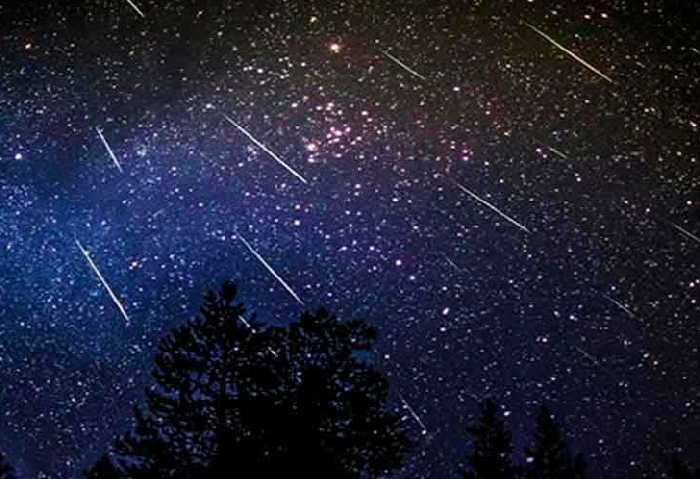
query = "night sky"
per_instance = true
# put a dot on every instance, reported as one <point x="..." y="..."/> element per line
<point x="508" y="190"/>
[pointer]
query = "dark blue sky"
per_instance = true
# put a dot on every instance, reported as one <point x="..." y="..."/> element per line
<point x="591" y="308"/>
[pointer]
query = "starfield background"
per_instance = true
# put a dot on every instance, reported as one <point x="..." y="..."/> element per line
<point x="507" y="190"/>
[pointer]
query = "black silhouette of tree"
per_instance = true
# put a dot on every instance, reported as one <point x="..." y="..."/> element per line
<point x="7" y="471"/>
<point x="681" y="470"/>
<point x="102" y="469"/>
<point x="550" y="458"/>
<point x="491" y="449"/>
<point x="234" y="398"/>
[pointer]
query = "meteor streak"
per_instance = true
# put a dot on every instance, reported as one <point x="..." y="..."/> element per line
<point x="266" y="149"/>
<point x="621" y="306"/>
<point x="492" y="207"/>
<point x="270" y="269"/>
<point x="104" y="283"/>
<point x="557" y="152"/>
<point x="588" y="355"/>
<point x="109" y="150"/>
<point x="136" y="8"/>
<point x="686" y="232"/>
<point x="247" y="324"/>
<point x="570" y="53"/>
<point x="413" y="413"/>
<point x="452" y="263"/>
<point x="403" y="65"/>
<point x="244" y="321"/>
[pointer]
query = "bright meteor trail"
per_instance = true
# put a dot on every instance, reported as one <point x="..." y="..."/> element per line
<point x="492" y="207"/>
<point x="104" y="282"/>
<point x="403" y="65"/>
<point x="109" y="150"/>
<point x="133" y="5"/>
<point x="266" y="149"/>
<point x="414" y="414"/>
<point x="270" y="269"/>
<point x="570" y="53"/>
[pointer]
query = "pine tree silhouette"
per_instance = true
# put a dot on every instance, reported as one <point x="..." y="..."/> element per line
<point x="681" y="470"/>
<point x="239" y="399"/>
<point x="490" y="455"/>
<point x="550" y="458"/>
<point x="7" y="471"/>
<point x="102" y="469"/>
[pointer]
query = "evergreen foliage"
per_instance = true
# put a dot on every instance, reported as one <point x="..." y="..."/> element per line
<point x="681" y="470"/>
<point x="7" y="471"/>
<point x="102" y="469"/>
<point x="234" y="398"/>
<point x="550" y="457"/>
<point x="491" y="449"/>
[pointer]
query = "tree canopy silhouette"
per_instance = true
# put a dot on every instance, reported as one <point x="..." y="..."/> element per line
<point x="550" y="458"/>
<point x="235" y="398"/>
<point x="681" y="470"/>
<point x="102" y="469"/>
<point x="491" y="449"/>
<point x="7" y="471"/>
